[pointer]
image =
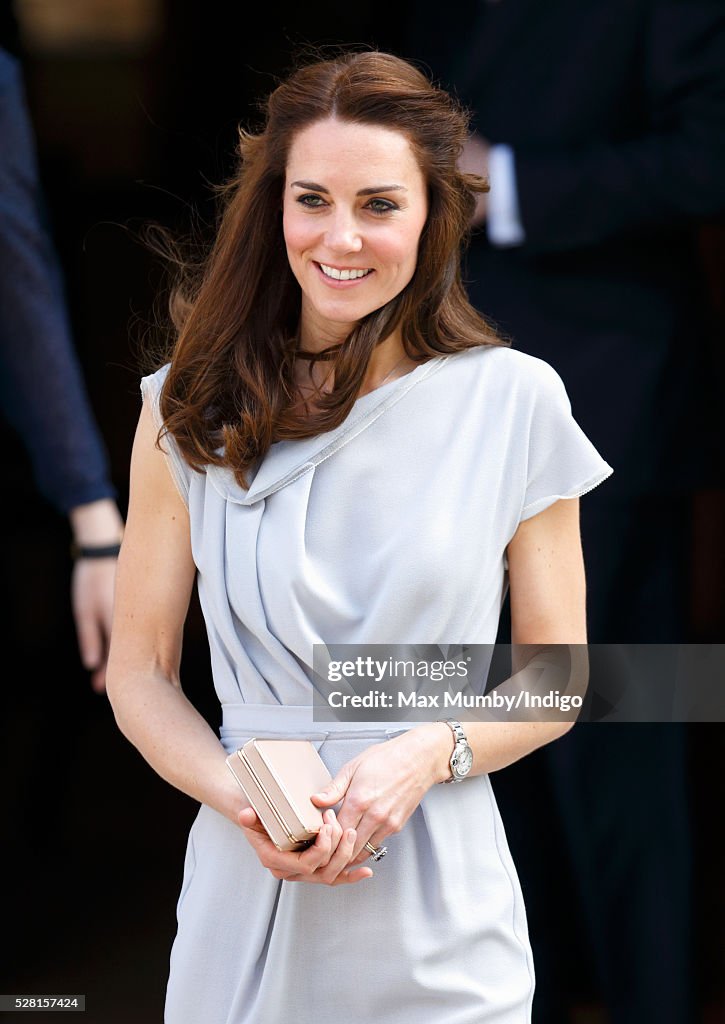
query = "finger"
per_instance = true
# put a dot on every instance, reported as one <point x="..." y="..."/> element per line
<point x="335" y="834"/>
<point x="338" y="871"/>
<point x="375" y="833"/>
<point x="317" y="855"/>
<point x="301" y="864"/>
<point x="335" y="790"/>
<point x="270" y="857"/>
<point x="354" y="875"/>
<point x="349" y="872"/>
<point x="344" y="878"/>
<point x="98" y="674"/>
<point x="90" y="641"/>
<point x="364" y="854"/>
<point x="342" y="856"/>
<point x="250" y="822"/>
<point x="98" y="679"/>
<point x="330" y="818"/>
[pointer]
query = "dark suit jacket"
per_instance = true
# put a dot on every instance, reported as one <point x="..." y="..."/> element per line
<point x="42" y="393"/>
<point x="615" y="110"/>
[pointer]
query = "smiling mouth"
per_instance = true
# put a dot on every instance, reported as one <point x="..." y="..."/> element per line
<point x="351" y="274"/>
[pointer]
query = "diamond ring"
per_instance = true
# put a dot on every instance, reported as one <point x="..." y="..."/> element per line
<point x="378" y="852"/>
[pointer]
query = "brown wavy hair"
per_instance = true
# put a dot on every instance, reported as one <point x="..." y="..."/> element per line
<point x="229" y="393"/>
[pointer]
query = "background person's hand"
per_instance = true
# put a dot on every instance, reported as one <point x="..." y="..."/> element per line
<point x="94" y="524"/>
<point x="92" y="584"/>
<point x="382" y="786"/>
<point x="326" y="862"/>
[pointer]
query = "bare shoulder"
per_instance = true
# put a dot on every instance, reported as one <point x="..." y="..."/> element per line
<point x="156" y="559"/>
<point x="157" y="526"/>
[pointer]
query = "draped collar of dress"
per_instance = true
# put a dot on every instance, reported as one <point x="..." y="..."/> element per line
<point x="286" y="461"/>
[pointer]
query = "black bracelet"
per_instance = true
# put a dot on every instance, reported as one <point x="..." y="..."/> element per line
<point x="94" y="551"/>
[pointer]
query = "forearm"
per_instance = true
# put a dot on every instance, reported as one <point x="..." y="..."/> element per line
<point x="154" y="714"/>
<point x="494" y="744"/>
<point x="495" y="739"/>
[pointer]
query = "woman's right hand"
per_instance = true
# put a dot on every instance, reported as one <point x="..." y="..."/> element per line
<point x="325" y="862"/>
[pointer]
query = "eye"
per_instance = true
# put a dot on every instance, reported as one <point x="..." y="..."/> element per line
<point x="381" y="206"/>
<point x="311" y="200"/>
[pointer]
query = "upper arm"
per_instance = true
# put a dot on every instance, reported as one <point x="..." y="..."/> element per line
<point x="546" y="578"/>
<point x="156" y="571"/>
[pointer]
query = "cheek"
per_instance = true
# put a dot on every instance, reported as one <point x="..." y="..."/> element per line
<point x="401" y="252"/>
<point x="297" y="233"/>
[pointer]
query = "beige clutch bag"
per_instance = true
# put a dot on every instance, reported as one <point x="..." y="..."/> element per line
<point x="278" y="777"/>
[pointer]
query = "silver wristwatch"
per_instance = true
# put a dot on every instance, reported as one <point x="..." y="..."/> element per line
<point x="461" y="760"/>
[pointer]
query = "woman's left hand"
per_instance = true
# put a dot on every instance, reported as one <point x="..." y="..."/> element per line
<point x="383" y="785"/>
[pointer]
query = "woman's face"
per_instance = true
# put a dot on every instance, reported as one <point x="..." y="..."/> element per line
<point x="355" y="202"/>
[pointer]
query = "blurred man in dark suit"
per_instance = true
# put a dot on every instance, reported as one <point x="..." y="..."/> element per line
<point x="42" y="392"/>
<point x="602" y="128"/>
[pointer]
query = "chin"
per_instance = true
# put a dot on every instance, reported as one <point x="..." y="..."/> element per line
<point x="342" y="316"/>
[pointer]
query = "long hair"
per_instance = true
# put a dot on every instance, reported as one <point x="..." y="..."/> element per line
<point x="229" y="393"/>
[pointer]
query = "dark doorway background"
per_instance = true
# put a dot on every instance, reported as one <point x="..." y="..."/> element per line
<point x="131" y="130"/>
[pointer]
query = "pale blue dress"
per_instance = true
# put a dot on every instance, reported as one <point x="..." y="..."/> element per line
<point x="392" y="528"/>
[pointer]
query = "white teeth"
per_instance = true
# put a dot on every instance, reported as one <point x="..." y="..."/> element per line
<point x="343" y="275"/>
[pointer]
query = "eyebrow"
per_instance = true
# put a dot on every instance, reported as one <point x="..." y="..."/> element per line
<point x="314" y="187"/>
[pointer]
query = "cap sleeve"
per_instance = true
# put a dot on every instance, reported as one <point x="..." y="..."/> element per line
<point x="178" y="467"/>
<point x="562" y="461"/>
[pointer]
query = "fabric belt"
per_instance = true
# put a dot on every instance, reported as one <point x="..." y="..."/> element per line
<point x="242" y="721"/>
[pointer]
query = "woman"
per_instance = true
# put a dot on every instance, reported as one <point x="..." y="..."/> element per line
<point x="370" y="495"/>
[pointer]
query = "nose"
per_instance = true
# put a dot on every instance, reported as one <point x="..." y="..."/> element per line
<point x="343" y="235"/>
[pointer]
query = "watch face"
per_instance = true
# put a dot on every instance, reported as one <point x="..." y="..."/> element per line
<point x="464" y="761"/>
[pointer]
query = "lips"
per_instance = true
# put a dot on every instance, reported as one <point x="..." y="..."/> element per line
<point x="343" y="275"/>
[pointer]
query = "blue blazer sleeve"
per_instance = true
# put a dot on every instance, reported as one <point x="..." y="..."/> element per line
<point x="42" y="393"/>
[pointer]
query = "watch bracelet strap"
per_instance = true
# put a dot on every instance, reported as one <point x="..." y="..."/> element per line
<point x="456" y="729"/>
<point x="458" y="736"/>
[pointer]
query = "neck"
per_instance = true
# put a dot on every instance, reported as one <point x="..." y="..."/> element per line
<point x="388" y="361"/>
<point x="316" y="337"/>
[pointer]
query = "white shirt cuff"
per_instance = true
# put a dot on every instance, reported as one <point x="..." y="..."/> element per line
<point x="503" y="220"/>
